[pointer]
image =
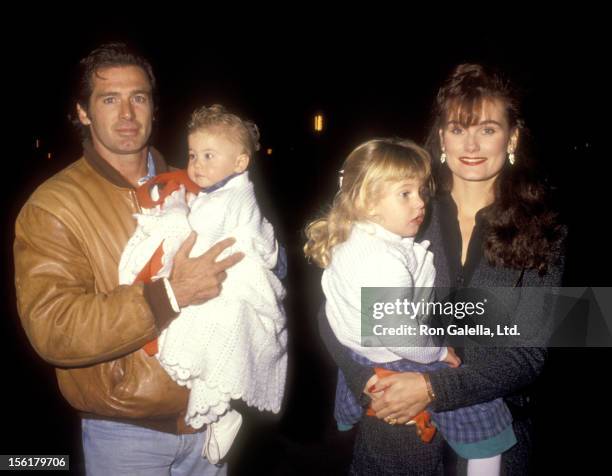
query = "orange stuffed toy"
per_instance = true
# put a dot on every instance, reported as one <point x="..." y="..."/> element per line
<point x="171" y="182"/>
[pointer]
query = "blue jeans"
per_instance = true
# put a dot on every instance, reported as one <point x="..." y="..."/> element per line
<point x="114" y="448"/>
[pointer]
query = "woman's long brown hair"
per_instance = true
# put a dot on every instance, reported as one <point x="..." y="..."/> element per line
<point x="522" y="230"/>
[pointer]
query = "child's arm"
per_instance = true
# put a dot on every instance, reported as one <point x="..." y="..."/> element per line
<point x="416" y="276"/>
<point x="419" y="346"/>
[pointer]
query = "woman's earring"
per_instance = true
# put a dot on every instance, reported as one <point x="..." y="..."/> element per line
<point x="511" y="158"/>
<point x="443" y="156"/>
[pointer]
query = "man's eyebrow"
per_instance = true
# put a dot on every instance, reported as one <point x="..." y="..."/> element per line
<point x="116" y="93"/>
<point x="107" y="93"/>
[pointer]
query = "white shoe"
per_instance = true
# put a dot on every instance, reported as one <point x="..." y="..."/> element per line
<point x="220" y="436"/>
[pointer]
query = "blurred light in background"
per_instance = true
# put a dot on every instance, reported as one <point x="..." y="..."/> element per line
<point x="318" y="123"/>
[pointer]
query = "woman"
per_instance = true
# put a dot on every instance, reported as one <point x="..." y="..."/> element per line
<point x="489" y="226"/>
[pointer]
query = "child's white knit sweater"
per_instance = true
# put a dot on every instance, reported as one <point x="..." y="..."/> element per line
<point x="375" y="257"/>
<point x="232" y="346"/>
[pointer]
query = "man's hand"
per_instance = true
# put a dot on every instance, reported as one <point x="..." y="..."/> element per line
<point x="196" y="280"/>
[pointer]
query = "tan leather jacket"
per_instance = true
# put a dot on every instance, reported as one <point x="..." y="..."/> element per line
<point x="69" y="238"/>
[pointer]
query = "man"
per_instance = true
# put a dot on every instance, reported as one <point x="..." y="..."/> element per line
<point x="69" y="238"/>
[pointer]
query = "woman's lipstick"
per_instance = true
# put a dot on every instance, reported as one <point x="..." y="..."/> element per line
<point x="472" y="161"/>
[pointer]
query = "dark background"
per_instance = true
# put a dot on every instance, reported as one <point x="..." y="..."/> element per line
<point x="369" y="78"/>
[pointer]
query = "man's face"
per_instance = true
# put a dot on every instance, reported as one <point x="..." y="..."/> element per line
<point x="120" y="110"/>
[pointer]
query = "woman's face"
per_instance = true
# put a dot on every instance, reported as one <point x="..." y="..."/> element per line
<point x="477" y="153"/>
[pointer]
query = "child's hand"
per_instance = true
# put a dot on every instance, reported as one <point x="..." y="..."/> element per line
<point x="452" y="358"/>
<point x="371" y="383"/>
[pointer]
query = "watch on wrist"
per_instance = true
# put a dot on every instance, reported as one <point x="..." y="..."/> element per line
<point x="430" y="393"/>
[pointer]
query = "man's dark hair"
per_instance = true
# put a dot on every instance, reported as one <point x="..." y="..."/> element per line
<point x="107" y="55"/>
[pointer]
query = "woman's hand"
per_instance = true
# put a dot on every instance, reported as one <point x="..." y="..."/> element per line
<point x="370" y="385"/>
<point x="405" y="395"/>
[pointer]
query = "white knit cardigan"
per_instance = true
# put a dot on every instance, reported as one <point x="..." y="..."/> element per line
<point x="375" y="257"/>
<point x="233" y="346"/>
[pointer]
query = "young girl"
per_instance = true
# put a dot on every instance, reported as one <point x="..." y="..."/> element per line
<point x="233" y="346"/>
<point x="367" y="240"/>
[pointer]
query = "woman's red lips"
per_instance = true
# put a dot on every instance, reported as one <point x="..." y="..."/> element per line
<point x="418" y="220"/>
<point x="472" y="161"/>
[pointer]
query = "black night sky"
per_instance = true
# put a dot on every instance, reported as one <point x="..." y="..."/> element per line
<point x="368" y="81"/>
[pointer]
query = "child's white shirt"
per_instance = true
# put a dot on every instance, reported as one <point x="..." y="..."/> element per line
<point x="372" y="256"/>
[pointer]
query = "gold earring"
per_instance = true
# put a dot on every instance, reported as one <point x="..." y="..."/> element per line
<point x="443" y="156"/>
<point x="511" y="158"/>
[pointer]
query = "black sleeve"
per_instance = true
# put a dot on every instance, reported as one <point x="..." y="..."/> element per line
<point x="495" y="372"/>
<point x="356" y="375"/>
<point x="500" y="372"/>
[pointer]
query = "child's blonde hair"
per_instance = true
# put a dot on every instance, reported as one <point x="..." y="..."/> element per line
<point x="217" y="117"/>
<point x="364" y="175"/>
